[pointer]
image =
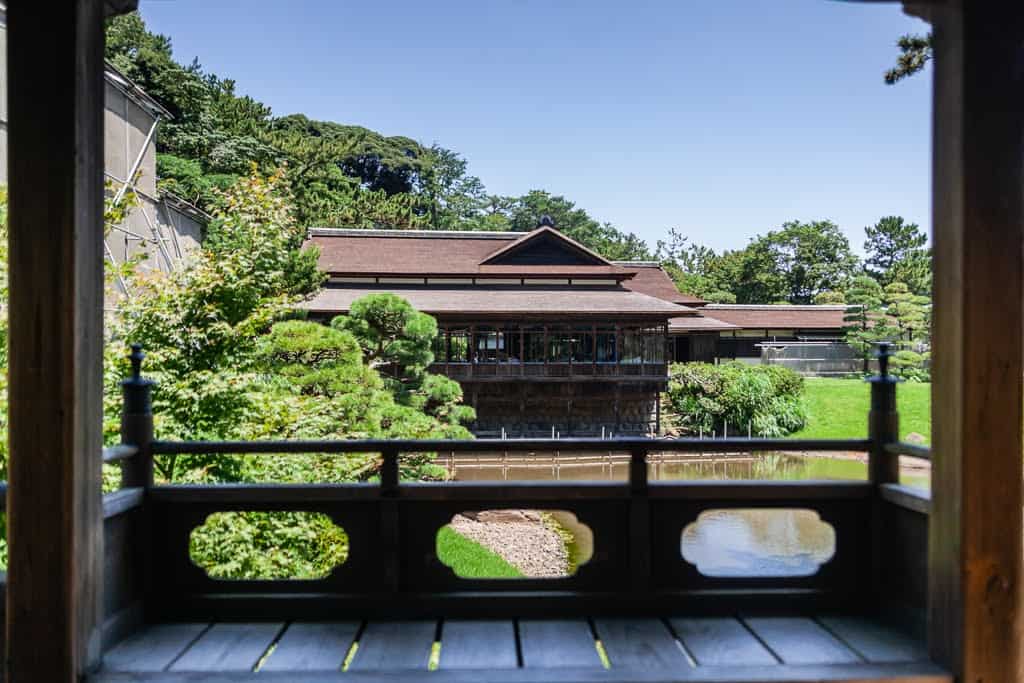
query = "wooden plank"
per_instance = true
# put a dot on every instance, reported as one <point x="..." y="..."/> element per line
<point x="975" y="543"/>
<point x="876" y="642"/>
<point x="916" y="672"/>
<point x="392" y="645"/>
<point x="55" y="97"/>
<point x="798" y="640"/>
<point x="478" y="644"/>
<point x="721" y="641"/>
<point x="637" y="644"/>
<point x="312" y="647"/>
<point x="229" y="647"/>
<point x="554" y="643"/>
<point x="153" y="648"/>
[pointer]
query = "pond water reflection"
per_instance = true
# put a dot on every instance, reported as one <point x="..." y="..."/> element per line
<point x="721" y="543"/>
<point x="758" y="543"/>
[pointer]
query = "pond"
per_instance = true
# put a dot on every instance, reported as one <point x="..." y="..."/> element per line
<point x="722" y="543"/>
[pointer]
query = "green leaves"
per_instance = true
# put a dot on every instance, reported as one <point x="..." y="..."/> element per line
<point x="706" y="398"/>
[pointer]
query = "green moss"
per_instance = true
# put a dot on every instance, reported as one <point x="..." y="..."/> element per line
<point x="470" y="560"/>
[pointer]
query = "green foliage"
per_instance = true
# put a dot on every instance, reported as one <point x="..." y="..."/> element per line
<point x="909" y="324"/>
<point x="339" y="174"/>
<point x="396" y="339"/>
<point x="864" y="321"/>
<point x="915" y="51"/>
<point x="703" y="398"/>
<point x="268" y="545"/>
<point x="794" y="264"/>
<point x="470" y="560"/>
<point x="897" y="253"/>
<point x="830" y="296"/>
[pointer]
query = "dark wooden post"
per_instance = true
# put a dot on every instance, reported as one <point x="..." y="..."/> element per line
<point x="137" y="424"/>
<point x="390" y="524"/>
<point x="54" y="503"/>
<point x="975" y="530"/>
<point x="522" y="350"/>
<point x="883" y="421"/>
<point x="639" y="523"/>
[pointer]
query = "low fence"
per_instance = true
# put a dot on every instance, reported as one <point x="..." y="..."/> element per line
<point x="815" y="359"/>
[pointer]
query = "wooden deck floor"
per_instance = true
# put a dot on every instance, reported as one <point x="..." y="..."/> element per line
<point x="598" y="649"/>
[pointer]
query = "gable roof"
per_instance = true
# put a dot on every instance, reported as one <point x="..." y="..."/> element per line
<point x="423" y="253"/>
<point x="546" y="233"/>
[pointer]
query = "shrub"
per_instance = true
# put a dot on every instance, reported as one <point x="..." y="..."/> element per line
<point x="705" y="398"/>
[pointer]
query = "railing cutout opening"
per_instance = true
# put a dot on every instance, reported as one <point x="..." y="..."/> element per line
<point x="758" y="543"/>
<point x="514" y="544"/>
<point x="259" y="546"/>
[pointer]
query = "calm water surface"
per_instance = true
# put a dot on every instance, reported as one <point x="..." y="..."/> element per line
<point x="733" y="542"/>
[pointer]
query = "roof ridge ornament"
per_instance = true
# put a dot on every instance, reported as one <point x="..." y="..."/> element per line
<point x="546" y="221"/>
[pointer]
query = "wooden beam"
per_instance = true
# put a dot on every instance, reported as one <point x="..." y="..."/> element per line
<point x="54" y="504"/>
<point x="975" y="532"/>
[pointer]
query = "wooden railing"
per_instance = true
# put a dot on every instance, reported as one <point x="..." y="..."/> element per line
<point x="551" y="370"/>
<point x="393" y="569"/>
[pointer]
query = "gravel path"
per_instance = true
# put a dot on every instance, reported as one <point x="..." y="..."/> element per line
<point x="520" y="537"/>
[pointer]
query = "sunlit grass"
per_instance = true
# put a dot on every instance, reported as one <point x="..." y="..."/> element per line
<point x="838" y="409"/>
<point x="470" y="560"/>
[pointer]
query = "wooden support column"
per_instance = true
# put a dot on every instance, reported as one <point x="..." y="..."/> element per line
<point x="54" y="503"/>
<point x="974" y="549"/>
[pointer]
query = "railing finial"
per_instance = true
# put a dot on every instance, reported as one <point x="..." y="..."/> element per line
<point x="136" y="357"/>
<point x="884" y="353"/>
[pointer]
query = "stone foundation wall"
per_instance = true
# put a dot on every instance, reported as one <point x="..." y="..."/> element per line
<point x="532" y="409"/>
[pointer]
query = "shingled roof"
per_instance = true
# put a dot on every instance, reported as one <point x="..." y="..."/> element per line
<point x="651" y="279"/>
<point x="483" y="300"/>
<point x="752" y="316"/>
<point x="440" y="253"/>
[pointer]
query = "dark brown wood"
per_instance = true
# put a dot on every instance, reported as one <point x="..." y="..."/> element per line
<point x="799" y="640"/>
<point x="721" y="641"/>
<point x="55" y="97"/>
<point x="639" y="644"/>
<point x="394" y="645"/>
<point x="975" y="538"/>
<point x="683" y="445"/>
<point x="316" y="646"/>
<point x="548" y="644"/>
<point x="478" y="644"/>
<point x="229" y="647"/>
<point x="883" y="422"/>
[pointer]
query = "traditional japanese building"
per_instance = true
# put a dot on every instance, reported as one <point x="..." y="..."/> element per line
<point x="544" y="335"/>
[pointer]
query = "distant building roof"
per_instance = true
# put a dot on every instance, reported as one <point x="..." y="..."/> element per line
<point x="698" y="323"/>
<point x="444" y="253"/>
<point x="483" y="300"/>
<point x="651" y="279"/>
<point x="778" y="316"/>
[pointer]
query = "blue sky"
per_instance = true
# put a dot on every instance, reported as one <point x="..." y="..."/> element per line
<point x="723" y="118"/>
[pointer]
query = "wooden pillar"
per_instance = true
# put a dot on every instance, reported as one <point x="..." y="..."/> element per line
<point x="522" y="350"/>
<point x="974" y="552"/>
<point x="54" y="503"/>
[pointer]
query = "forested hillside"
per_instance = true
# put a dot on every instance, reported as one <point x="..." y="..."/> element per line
<point x="348" y="176"/>
<point x="341" y="175"/>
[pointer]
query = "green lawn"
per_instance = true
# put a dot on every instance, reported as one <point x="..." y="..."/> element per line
<point x="470" y="560"/>
<point x="838" y="409"/>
